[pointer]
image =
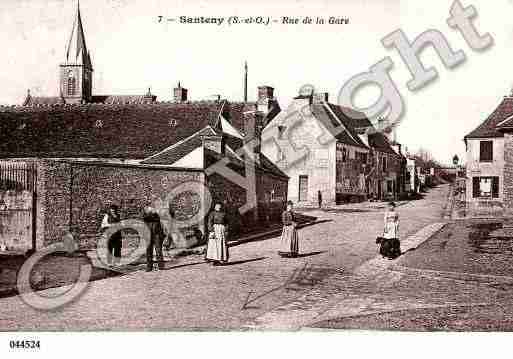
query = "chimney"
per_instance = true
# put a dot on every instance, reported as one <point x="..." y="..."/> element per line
<point x="253" y="128"/>
<point x="214" y="143"/>
<point x="179" y="93"/>
<point x="265" y="98"/>
<point x="320" y="97"/>
<point x="215" y="98"/>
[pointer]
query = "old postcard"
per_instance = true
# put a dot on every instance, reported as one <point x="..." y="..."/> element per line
<point x="173" y="166"/>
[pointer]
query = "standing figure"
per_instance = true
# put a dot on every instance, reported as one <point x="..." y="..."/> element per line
<point x="319" y="198"/>
<point x="115" y="242"/>
<point x="217" y="248"/>
<point x="152" y="220"/>
<point x="391" y="246"/>
<point x="289" y="238"/>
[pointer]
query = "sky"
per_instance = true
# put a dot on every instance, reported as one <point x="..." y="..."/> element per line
<point x="131" y="51"/>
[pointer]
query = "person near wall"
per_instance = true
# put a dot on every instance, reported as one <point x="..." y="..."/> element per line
<point x="217" y="247"/>
<point x="152" y="220"/>
<point x="319" y="198"/>
<point x="289" y="246"/>
<point x="115" y="242"/>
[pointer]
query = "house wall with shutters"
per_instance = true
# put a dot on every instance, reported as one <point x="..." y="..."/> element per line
<point x="298" y="152"/>
<point x="485" y="206"/>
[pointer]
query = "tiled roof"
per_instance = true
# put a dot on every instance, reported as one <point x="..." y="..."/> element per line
<point x="379" y="142"/>
<point x="37" y="101"/>
<point x="353" y="118"/>
<point x="489" y="127"/>
<point x="329" y="112"/>
<point x="124" y="99"/>
<point x="174" y="153"/>
<point x="236" y="113"/>
<point x="101" y="131"/>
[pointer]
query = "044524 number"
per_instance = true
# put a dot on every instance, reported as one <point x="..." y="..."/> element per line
<point x="25" y="344"/>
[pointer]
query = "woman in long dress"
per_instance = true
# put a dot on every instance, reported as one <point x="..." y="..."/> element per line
<point x="289" y="240"/>
<point x="217" y="248"/>
<point x="391" y="228"/>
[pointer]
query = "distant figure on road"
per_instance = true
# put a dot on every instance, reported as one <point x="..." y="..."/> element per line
<point x="114" y="243"/>
<point x="319" y="198"/>
<point x="289" y="238"/>
<point x="152" y="220"/>
<point x="390" y="245"/>
<point x="217" y="247"/>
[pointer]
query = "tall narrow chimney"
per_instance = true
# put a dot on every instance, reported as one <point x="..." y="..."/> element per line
<point x="265" y="99"/>
<point x="245" y="81"/>
<point x="179" y="93"/>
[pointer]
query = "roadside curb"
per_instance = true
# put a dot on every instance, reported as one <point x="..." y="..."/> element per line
<point x="311" y="306"/>
<point x="459" y="276"/>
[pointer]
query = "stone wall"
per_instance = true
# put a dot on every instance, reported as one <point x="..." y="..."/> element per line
<point x="507" y="178"/>
<point x="78" y="194"/>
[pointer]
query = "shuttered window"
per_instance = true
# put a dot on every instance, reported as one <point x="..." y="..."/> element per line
<point x="495" y="187"/>
<point x="485" y="187"/>
<point x="485" y="151"/>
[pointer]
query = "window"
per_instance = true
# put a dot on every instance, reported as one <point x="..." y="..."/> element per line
<point x="485" y="151"/>
<point x="281" y="131"/>
<point x="390" y="186"/>
<point x="485" y="187"/>
<point x="384" y="163"/>
<point x="344" y="155"/>
<point x="72" y="83"/>
<point x="303" y="188"/>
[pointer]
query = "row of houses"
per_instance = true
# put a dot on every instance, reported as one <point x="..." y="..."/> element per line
<point x="335" y="154"/>
<point x="64" y="159"/>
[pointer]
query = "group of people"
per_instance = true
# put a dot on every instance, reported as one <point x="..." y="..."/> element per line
<point x="217" y="251"/>
<point x="151" y="218"/>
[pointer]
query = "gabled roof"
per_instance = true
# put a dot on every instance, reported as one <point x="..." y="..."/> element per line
<point x="489" y="128"/>
<point x="355" y="119"/>
<point x="236" y="113"/>
<point x="133" y="131"/>
<point x="337" y="118"/>
<point x="173" y="153"/>
<point x="379" y="142"/>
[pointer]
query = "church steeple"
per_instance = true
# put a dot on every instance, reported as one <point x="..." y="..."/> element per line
<point x="76" y="72"/>
<point x="76" y="51"/>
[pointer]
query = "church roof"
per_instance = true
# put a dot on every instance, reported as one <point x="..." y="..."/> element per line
<point x="76" y="51"/>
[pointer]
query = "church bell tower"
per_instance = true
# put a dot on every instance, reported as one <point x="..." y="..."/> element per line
<point x="76" y="80"/>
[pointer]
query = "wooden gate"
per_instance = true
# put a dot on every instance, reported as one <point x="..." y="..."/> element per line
<point x="18" y="200"/>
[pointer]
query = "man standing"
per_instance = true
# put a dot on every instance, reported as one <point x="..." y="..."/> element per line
<point x="115" y="241"/>
<point x="319" y="198"/>
<point x="152" y="220"/>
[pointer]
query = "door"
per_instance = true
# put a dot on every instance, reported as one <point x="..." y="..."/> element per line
<point x="17" y="205"/>
<point x="303" y="188"/>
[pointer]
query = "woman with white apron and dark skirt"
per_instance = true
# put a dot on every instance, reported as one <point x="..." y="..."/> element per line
<point x="217" y="248"/>
<point x="289" y="243"/>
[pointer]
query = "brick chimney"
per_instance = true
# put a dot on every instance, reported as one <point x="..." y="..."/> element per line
<point x="265" y="99"/>
<point x="214" y="143"/>
<point x="253" y="125"/>
<point x="179" y="93"/>
<point x="320" y="97"/>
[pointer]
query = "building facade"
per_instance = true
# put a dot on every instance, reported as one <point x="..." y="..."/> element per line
<point x="64" y="159"/>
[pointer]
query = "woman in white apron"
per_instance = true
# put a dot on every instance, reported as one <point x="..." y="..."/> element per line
<point x="217" y="248"/>
<point x="289" y="246"/>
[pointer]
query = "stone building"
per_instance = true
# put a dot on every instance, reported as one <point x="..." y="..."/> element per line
<point x="313" y="142"/>
<point x="64" y="159"/>
<point x="489" y="190"/>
